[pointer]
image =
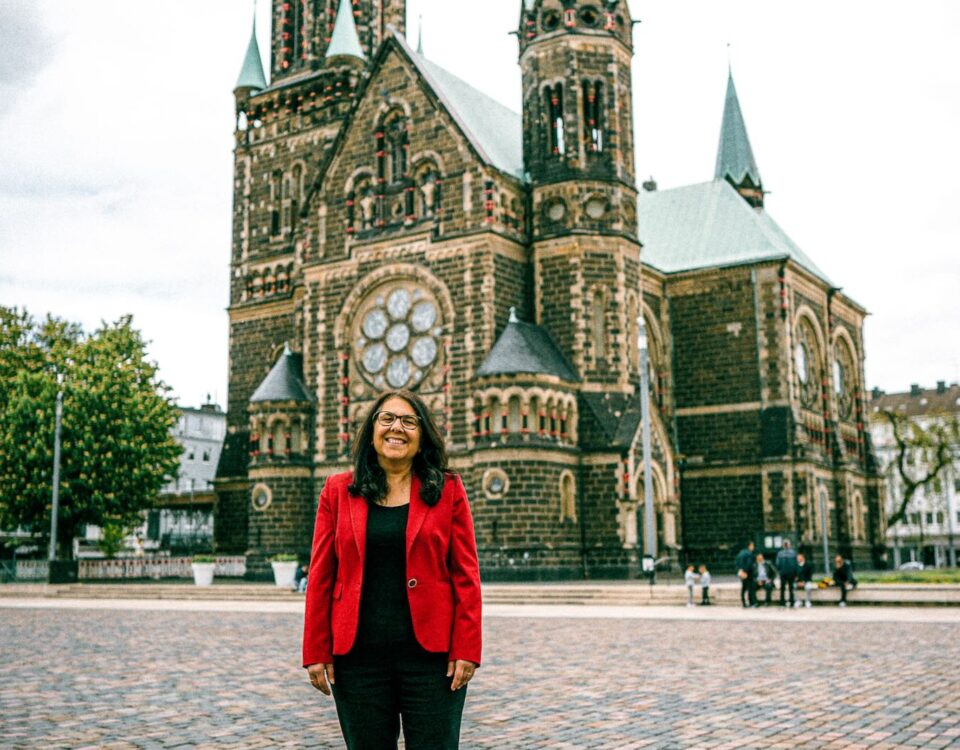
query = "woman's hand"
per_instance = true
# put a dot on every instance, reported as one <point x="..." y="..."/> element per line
<point x="462" y="672"/>
<point x="320" y="675"/>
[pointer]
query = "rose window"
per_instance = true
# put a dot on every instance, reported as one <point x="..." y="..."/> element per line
<point x="397" y="339"/>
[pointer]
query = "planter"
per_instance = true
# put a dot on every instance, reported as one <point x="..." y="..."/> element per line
<point x="283" y="573"/>
<point x="203" y="573"/>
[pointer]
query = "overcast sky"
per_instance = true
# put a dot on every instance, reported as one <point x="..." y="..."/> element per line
<point x="116" y="122"/>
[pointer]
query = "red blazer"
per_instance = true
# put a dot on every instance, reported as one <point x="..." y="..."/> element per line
<point x="443" y="576"/>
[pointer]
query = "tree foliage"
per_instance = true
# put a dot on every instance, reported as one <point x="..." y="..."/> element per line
<point x="117" y="446"/>
<point x="923" y="451"/>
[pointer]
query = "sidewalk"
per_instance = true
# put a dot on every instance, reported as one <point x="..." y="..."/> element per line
<point x="622" y="596"/>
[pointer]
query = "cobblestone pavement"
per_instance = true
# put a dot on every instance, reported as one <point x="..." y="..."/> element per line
<point x="102" y="678"/>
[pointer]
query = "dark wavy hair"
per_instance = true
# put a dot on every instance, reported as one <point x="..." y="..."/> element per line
<point x="430" y="463"/>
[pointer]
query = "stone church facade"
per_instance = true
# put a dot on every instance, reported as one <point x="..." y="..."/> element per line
<point x="395" y="227"/>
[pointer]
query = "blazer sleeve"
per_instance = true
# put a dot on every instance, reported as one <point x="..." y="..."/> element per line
<point x="317" y="628"/>
<point x="466" y="640"/>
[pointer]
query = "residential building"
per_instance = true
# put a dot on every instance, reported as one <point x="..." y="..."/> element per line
<point x="931" y="531"/>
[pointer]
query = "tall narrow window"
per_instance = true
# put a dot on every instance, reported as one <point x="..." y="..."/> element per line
<point x="397" y="144"/>
<point x="593" y="115"/>
<point x="599" y="327"/>
<point x="554" y="105"/>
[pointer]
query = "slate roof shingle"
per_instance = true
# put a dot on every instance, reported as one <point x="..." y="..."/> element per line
<point x="525" y="348"/>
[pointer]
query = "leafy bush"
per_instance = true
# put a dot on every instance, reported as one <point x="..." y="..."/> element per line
<point x="284" y="557"/>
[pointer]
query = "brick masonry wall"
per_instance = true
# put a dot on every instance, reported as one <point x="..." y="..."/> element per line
<point x="720" y="514"/>
<point x="230" y="528"/>
<point x="286" y="525"/>
<point x="730" y="437"/>
<point x="715" y="341"/>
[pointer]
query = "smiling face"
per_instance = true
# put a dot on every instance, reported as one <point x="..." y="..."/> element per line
<point x="395" y="445"/>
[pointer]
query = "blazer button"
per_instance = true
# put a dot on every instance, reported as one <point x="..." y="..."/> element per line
<point x="412" y="583"/>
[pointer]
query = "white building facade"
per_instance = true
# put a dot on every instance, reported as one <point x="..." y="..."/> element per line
<point x="930" y="533"/>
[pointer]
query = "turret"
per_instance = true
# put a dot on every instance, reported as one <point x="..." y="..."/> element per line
<point x="575" y="59"/>
<point x="345" y="41"/>
<point x="305" y="32"/>
<point x="735" y="161"/>
<point x="251" y="78"/>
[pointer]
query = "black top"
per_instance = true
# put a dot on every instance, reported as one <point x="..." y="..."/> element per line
<point x="384" y="608"/>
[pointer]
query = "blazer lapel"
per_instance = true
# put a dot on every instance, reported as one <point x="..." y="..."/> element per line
<point x="418" y="512"/>
<point x="358" y="519"/>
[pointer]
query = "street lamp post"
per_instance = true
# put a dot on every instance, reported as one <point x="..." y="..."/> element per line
<point x="649" y="523"/>
<point x="824" y="528"/>
<point x="55" y="492"/>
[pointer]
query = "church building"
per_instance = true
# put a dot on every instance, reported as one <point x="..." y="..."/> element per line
<point x="394" y="227"/>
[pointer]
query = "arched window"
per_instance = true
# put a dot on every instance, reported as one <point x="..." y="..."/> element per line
<point x="568" y="498"/>
<point x="844" y="379"/>
<point x="279" y="438"/>
<point x="633" y="333"/>
<point x="276" y="183"/>
<point x="396" y="142"/>
<point x="807" y="363"/>
<point x="857" y="522"/>
<point x="599" y="324"/>
<point x="593" y="116"/>
<point x="554" y="108"/>
<point x="513" y="415"/>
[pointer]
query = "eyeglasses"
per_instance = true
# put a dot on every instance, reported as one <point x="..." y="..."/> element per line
<point x="407" y="421"/>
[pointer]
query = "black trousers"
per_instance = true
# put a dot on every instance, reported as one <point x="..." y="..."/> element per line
<point x="377" y="687"/>
<point x="748" y="591"/>
<point x="787" y="582"/>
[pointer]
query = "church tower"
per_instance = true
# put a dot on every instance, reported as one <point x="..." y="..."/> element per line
<point x="320" y="56"/>
<point x="579" y="155"/>
<point x="735" y="161"/>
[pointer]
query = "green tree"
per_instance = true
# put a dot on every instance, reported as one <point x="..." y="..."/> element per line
<point x="923" y="451"/>
<point x="117" y="447"/>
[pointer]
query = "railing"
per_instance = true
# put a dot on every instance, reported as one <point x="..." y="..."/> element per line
<point x="131" y="568"/>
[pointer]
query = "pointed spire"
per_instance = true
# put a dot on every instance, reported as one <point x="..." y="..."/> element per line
<point x="251" y="74"/>
<point x="735" y="161"/>
<point x="345" y="41"/>
<point x="420" y="38"/>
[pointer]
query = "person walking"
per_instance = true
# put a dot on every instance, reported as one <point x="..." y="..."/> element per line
<point x="745" y="565"/>
<point x="763" y="575"/>
<point x="786" y="564"/>
<point x="393" y="610"/>
<point x="705" y="586"/>
<point x="805" y="578"/>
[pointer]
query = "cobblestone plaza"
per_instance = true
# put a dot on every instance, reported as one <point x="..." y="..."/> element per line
<point x="167" y="677"/>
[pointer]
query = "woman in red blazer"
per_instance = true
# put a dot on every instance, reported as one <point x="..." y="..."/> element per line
<point x="393" y="607"/>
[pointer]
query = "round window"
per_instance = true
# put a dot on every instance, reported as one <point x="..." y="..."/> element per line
<point x="260" y="497"/>
<point x="397" y="335"/>
<point x="556" y="210"/>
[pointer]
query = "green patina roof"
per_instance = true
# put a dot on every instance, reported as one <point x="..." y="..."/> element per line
<point x="495" y="131"/>
<point x="251" y="74"/>
<point x="345" y="40"/>
<point x="734" y="155"/>
<point x="710" y="225"/>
